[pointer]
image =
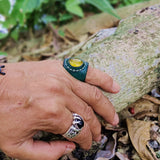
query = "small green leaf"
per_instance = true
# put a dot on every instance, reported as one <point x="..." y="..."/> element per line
<point x="15" y="34"/>
<point x="16" y="16"/>
<point x="4" y="7"/>
<point x="82" y="1"/>
<point x="72" y="2"/>
<point x="72" y="6"/>
<point x="30" y="5"/>
<point x="3" y="53"/>
<point x="114" y="1"/>
<point x="65" y="17"/>
<point x="61" y="33"/>
<point x="3" y="32"/>
<point x="104" y="6"/>
<point x="3" y="35"/>
<point x="48" y="18"/>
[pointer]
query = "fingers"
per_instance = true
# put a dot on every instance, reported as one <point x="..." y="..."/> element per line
<point x="95" y="98"/>
<point x="53" y="116"/>
<point x="84" y="138"/>
<point x="39" y="150"/>
<point x="101" y="79"/>
<point x="58" y="119"/>
<point x="76" y="105"/>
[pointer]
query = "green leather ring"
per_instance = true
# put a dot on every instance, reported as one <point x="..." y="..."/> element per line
<point x="76" y="67"/>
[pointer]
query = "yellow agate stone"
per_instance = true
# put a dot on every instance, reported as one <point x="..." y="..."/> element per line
<point x="75" y="62"/>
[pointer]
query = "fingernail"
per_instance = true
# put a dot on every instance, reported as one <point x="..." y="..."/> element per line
<point x="69" y="148"/>
<point x="116" y="119"/>
<point x="98" y="139"/>
<point x="115" y="87"/>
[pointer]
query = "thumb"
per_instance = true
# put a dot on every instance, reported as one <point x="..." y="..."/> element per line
<point x="40" y="150"/>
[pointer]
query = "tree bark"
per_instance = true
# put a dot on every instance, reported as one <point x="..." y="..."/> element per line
<point x="131" y="55"/>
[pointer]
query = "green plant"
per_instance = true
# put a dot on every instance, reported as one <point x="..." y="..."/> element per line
<point x="73" y="6"/>
<point x="16" y="15"/>
<point x="121" y="3"/>
<point x="3" y="53"/>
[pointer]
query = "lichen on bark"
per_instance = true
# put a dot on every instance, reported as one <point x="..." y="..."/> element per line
<point x="131" y="55"/>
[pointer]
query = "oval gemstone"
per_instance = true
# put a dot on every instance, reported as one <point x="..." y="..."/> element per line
<point x="80" y="124"/>
<point x="74" y="62"/>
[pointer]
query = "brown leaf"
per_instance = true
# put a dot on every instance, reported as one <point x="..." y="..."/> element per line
<point x="124" y="138"/>
<point x="139" y="132"/>
<point x="110" y="148"/>
<point x="122" y="156"/>
<point x="152" y="99"/>
<point x="140" y="106"/>
<point x="141" y="115"/>
<point x="100" y="158"/>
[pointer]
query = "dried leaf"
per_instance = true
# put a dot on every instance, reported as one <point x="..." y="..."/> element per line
<point x="140" y="106"/>
<point x="100" y="158"/>
<point x="139" y="132"/>
<point x="155" y="133"/>
<point x="152" y="99"/>
<point x="152" y="151"/>
<point x="124" y="138"/>
<point x="122" y="156"/>
<point x="141" y="115"/>
<point x="110" y="148"/>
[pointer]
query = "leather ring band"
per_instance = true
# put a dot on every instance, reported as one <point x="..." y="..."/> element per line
<point x="76" y="67"/>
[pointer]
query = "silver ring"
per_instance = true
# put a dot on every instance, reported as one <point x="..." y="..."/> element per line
<point x="76" y="126"/>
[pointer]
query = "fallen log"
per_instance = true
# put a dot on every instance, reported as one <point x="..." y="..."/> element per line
<point x="131" y="55"/>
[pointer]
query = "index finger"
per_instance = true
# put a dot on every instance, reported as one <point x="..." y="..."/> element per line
<point x="102" y="80"/>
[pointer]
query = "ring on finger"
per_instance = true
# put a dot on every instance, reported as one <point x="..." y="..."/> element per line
<point x="76" y="67"/>
<point x="76" y="127"/>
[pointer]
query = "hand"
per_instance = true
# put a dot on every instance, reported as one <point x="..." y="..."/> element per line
<point x="41" y="96"/>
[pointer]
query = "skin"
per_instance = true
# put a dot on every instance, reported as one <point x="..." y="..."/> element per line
<point x="42" y="95"/>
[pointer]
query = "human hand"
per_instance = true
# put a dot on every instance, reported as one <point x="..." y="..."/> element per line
<point x="41" y="96"/>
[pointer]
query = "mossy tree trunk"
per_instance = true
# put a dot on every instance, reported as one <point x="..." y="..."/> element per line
<point x="131" y="55"/>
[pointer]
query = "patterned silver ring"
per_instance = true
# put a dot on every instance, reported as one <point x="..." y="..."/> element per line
<point x="76" y="126"/>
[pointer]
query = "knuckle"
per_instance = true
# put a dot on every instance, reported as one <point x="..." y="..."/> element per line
<point x="57" y="112"/>
<point x="52" y="112"/>
<point x="88" y="113"/>
<point x="78" y="88"/>
<point x="97" y="94"/>
<point x="56" y="87"/>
